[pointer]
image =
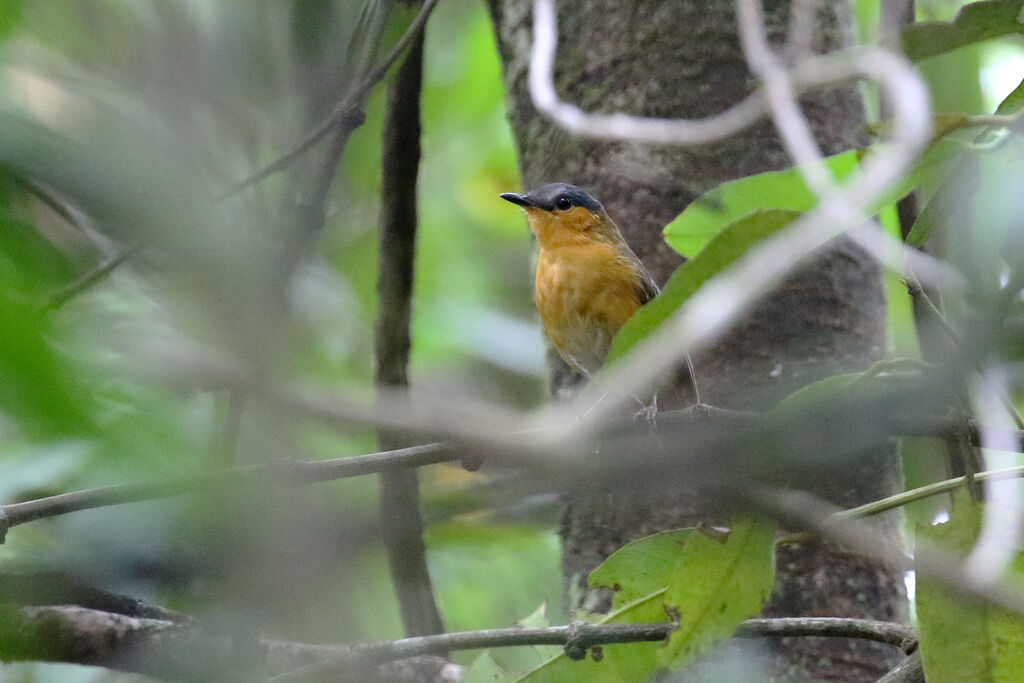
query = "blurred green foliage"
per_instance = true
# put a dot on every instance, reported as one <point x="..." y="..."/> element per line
<point x="130" y="117"/>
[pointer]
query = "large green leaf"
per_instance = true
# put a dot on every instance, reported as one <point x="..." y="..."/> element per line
<point x="707" y="215"/>
<point x="964" y="641"/>
<point x="724" y="248"/>
<point x="786" y="190"/>
<point x="975" y="22"/>
<point x="709" y="584"/>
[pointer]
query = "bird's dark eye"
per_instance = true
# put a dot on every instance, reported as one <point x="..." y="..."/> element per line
<point x="563" y="203"/>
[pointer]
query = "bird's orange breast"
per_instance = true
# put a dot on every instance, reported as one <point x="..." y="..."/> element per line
<point x="585" y="293"/>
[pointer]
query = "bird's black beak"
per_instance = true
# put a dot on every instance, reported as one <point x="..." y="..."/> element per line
<point x="519" y="199"/>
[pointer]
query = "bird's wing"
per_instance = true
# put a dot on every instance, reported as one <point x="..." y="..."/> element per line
<point x="646" y="287"/>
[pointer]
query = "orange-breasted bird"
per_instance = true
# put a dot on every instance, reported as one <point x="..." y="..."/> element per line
<point x="588" y="282"/>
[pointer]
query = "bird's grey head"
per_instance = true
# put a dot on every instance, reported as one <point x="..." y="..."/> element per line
<point x="555" y="197"/>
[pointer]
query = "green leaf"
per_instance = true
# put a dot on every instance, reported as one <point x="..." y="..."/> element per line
<point x="727" y="246"/>
<point x="1013" y="102"/>
<point x="486" y="670"/>
<point x="786" y="190"/>
<point x="37" y="386"/>
<point x="709" y="583"/>
<point x="537" y="619"/>
<point x="975" y="22"/>
<point x="10" y="16"/>
<point x="814" y="395"/>
<point x="707" y="215"/>
<point x="964" y="641"/>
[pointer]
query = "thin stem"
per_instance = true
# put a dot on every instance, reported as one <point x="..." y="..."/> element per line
<point x="292" y="472"/>
<point x="185" y="651"/>
<point x="922" y="492"/>
<point x="578" y="637"/>
<point x="90" y="278"/>
<point x="350" y="106"/>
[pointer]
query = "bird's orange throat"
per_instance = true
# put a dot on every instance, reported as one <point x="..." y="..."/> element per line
<point x="562" y="228"/>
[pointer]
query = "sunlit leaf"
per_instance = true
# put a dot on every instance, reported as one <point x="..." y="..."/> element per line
<point x="711" y="212"/>
<point x="975" y="22"/>
<point x="787" y="190"/>
<point x="1013" y="102"/>
<point x="708" y="582"/>
<point x="964" y="641"/>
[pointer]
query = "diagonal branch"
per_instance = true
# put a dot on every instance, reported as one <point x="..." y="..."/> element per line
<point x="347" y="110"/>
<point x="90" y="278"/>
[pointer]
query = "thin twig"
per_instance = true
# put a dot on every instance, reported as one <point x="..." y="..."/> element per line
<point x="90" y="278"/>
<point x="927" y="491"/>
<point x="290" y="472"/>
<point x="350" y="106"/>
<point x="578" y="637"/>
<point x="300" y="472"/>
<point x="54" y="204"/>
<point x="164" y="649"/>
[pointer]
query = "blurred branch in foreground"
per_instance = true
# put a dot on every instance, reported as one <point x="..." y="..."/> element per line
<point x="189" y="652"/>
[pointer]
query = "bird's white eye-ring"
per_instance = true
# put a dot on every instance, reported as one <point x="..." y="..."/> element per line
<point x="563" y="203"/>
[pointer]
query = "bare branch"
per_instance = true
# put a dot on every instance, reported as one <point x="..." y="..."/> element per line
<point x="290" y="472"/>
<point x="188" y="652"/>
<point x="578" y="637"/>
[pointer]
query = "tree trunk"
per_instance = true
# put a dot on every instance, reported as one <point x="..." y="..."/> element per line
<point x="681" y="58"/>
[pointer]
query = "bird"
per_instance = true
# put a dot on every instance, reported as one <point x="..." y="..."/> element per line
<point x="588" y="281"/>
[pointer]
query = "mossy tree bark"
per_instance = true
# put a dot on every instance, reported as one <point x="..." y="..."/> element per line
<point x="681" y="58"/>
